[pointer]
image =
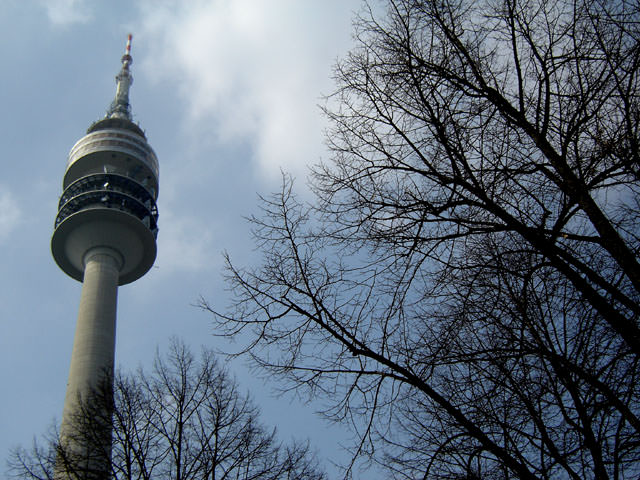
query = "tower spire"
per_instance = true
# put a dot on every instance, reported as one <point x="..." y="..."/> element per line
<point x="120" y="107"/>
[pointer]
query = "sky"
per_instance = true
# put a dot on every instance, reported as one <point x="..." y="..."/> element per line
<point x="227" y="92"/>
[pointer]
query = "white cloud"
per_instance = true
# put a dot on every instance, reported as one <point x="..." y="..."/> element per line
<point x="251" y="70"/>
<point x="9" y="213"/>
<point x="67" y="12"/>
<point x="185" y="244"/>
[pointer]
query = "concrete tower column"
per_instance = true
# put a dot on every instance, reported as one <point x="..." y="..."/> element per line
<point x="92" y="363"/>
<point x="93" y="352"/>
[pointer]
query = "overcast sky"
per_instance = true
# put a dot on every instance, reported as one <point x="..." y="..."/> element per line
<point x="227" y="92"/>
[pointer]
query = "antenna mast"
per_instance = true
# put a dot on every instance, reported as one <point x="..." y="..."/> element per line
<point x="120" y="107"/>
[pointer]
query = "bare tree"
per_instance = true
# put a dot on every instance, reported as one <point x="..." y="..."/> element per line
<point x="465" y="288"/>
<point x="185" y="420"/>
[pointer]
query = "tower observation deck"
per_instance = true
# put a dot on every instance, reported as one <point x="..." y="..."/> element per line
<point x="109" y="194"/>
<point x="105" y="236"/>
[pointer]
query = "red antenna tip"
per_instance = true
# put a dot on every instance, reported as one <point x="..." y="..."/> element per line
<point x="129" y="37"/>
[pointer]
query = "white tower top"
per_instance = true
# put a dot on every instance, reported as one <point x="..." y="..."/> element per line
<point x="110" y="188"/>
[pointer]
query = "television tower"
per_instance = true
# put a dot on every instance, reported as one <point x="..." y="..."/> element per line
<point x="105" y="236"/>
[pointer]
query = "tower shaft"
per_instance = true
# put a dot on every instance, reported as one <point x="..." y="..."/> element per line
<point x="85" y="433"/>
<point x="93" y="352"/>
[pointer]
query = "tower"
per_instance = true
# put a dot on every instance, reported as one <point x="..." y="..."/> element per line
<point x="105" y="236"/>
